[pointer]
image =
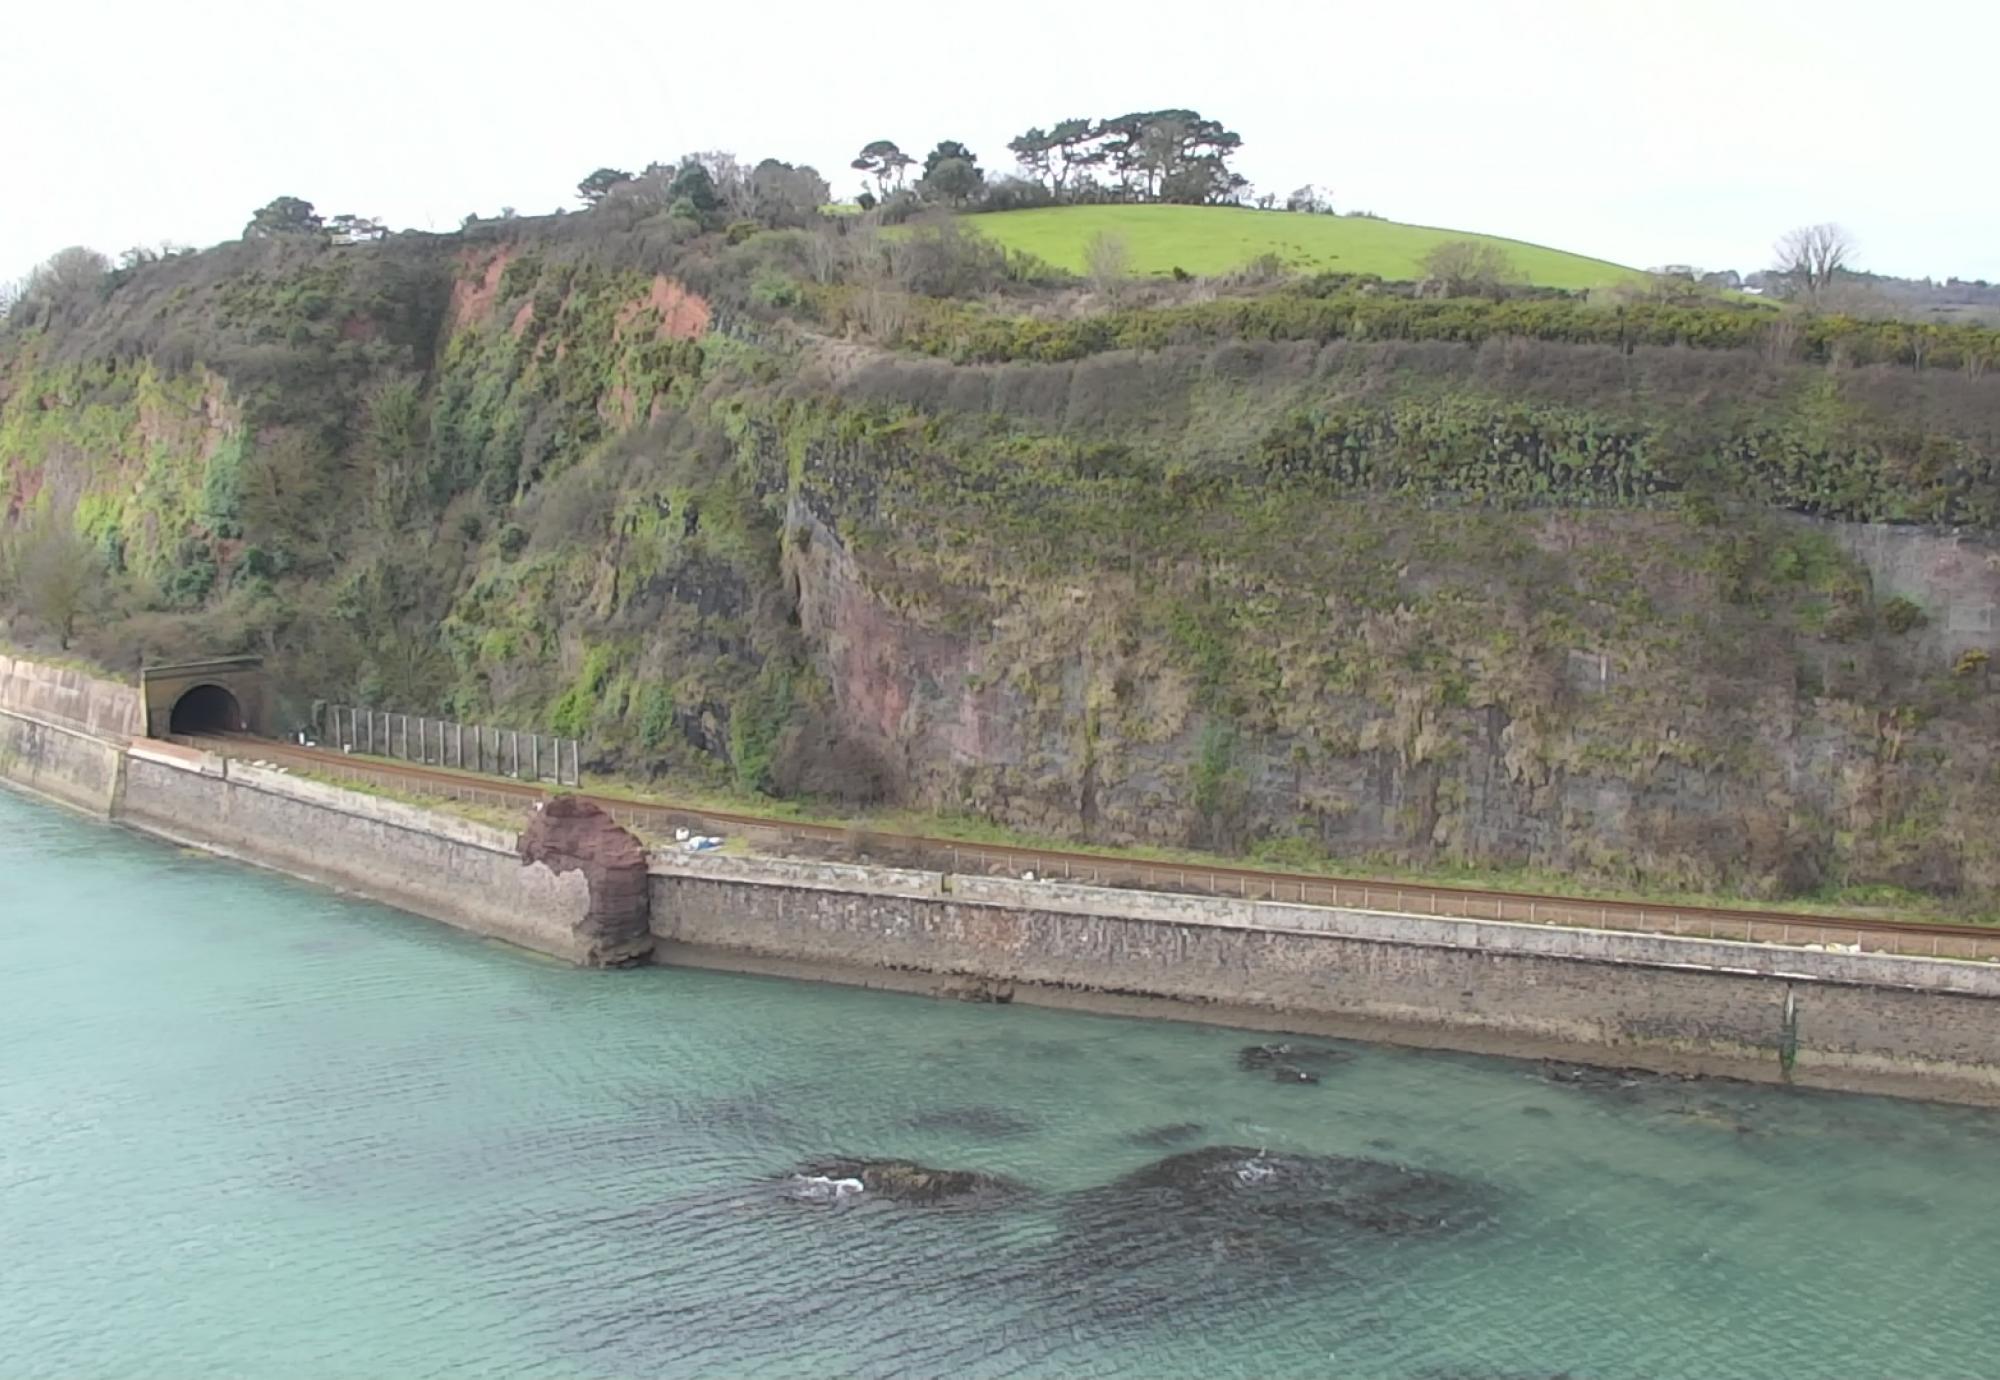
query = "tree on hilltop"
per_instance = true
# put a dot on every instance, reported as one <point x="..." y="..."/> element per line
<point x="885" y="162"/>
<point x="1311" y="199"/>
<point x="952" y="173"/>
<point x="1172" y="155"/>
<point x="782" y="195"/>
<point x="285" y="215"/>
<point x="1034" y="151"/>
<point x="69" y="283"/>
<point x="1812" y="256"/>
<point x="948" y="149"/>
<point x="1058" y="155"/>
<point x="594" y="187"/>
<point x="694" y="186"/>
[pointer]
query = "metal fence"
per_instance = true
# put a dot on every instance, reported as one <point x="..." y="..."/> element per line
<point x="447" y="743"/>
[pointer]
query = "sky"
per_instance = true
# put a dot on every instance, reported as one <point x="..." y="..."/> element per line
<point x="1678" y="131"/>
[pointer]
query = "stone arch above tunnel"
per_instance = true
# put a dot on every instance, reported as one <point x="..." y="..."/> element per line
<point x="220" y="695"/>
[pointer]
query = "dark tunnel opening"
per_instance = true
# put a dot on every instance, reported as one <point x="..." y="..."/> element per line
<point x="207" y="709"/>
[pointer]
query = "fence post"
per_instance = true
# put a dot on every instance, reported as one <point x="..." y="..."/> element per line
<point x="535" y="756"/>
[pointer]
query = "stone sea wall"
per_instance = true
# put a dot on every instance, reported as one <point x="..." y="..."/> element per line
<point x="1911" y="1026"/>
<point x="61" y="732"/>
<point x="464" y="873"/>
<point x="59" y="762"/>
<point x="71" y="698"/>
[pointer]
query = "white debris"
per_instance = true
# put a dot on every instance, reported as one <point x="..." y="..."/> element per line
<point x="1027" y="876"/>
<point x="1254" y="1171"/>
<point x="680" y="836"/>
<point x="818" y="1188"/>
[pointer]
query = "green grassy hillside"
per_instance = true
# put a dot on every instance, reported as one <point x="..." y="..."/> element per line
<point x="1209" y="240"/>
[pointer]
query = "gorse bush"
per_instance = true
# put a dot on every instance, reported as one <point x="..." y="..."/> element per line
<point x="969" y="334"/>
<point x="1469" y="450"/>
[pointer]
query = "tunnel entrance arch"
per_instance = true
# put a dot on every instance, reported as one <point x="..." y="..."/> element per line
<point x="220" y="695"/>
<point x="207" y="708"/>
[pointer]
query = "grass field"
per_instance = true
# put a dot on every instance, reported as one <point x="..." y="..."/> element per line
<point x="1211" y="240"/>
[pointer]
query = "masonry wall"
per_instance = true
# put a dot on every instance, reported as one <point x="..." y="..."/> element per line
<point x="1866" y="1022"/>
<point x="62" y="763"/>
<point x="463" y="873"/>
<point x="61" y="695"/>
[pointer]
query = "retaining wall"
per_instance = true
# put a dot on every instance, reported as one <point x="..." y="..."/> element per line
<point x="62" y="763"/>
<point x="71" y="698"/>
<point x="1913" y="1026"/>
<point x="436" y="865"/>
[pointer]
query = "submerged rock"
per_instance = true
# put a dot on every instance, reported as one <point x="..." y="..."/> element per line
<point x="1232" y="1180"/>
<point x="978" y="990"/>
<point x="1623" y="1081"/>
<point x="1221" y="1228"/>
<point x="905" y="1181"/>
<point x="990" y="1122"/>
<point x="1287" y="1062"/>
<point x="1159" y="1137"/>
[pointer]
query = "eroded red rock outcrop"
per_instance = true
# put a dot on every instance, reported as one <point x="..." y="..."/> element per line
<point x="569" y="834"/>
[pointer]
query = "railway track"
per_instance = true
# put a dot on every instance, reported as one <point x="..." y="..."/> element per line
<point x="1756" y="926"/>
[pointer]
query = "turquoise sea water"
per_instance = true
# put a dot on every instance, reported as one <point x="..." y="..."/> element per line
<point x="251" y="1128"/>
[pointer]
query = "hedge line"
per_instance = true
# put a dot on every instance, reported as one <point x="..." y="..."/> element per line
<point x="970" y="334"/>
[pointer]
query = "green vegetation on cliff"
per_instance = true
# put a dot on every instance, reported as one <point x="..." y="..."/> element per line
<point x="1320" y="568"/>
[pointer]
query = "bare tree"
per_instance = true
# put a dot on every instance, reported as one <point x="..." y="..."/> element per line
<point x="1812" y="256"/>
<point x="53" y="571"/>
<point x="70" y="282"/>
<point x="1466" y="268"/>
<point x="1107" y="262"/>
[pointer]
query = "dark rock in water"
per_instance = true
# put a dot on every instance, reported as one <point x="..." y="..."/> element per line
<point x="1628" y="1082"/>
<point x="569" y="834"/>
<point x="904" y="1181"/>
<point x="979" y="990"/>
<point x="1235" y="1181"/>
<point x="1256" y="1058"/>
<point x="1162" y="1136"/>
<point x="1214" y="1230"/>
<point x="1592" y="1079"/>
<point x="989" y="1122"/>
<point x="1287" y="1062"/>
<point x="1536" y="1111"/>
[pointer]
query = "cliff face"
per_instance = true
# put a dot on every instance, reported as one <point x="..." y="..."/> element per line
<point x="1625" y="695"/>
<point x="1618" y="612"/>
